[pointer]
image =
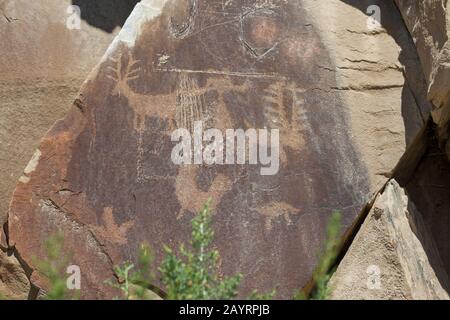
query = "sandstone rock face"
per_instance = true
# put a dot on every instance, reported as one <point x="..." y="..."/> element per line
<point x="429" y="25"/>
<point x="424" y="173"/>
<point x="378" y="77"/>
<point x="43" y="64"/>
<point x="104" y="176"/>
<point x="393" y="256"/>
<point x="14" y="283"/>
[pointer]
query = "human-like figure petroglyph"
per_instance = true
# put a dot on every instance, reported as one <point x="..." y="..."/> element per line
<point x="191" y="103"/>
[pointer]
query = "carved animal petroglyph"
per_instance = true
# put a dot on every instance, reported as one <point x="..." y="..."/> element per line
<point x="126" y="69"/>
<point x="110" y="230"/>
<point x="191" y="104"/>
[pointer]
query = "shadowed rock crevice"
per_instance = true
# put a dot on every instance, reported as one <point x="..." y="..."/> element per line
<point x="429" y="190"/>
<point x="105" y="177"/>
<point x="424" y="173"/>
<point x="426" y="144"/>
<point x="393" y="255"/>
<point x="415" y="91"/>
<point x="105" y="14"/>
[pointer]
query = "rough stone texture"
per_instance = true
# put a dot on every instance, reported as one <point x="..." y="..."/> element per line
<point x="429" y="25"/>
<point x="385" y="111"/>
<point x="14" y="284"/>
<point x="429" y="189"/>
<point x="104" y="177"/>
<point x="423" y="171"/>
<point x="393" y="248"/>
<point x="42" y="66"/>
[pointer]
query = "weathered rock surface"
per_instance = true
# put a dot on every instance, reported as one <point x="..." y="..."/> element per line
<point x="429" y="186"/>
<point x="429" y="189"/>
<point x="42" y="65"/>
<point x="393" y="256"/>
<point x="429" y="25"/>
<point x="371" y="65"/>
<point x="424" y="173"/>
<point x="14" y="283"/>
<point x="103" y="175"/>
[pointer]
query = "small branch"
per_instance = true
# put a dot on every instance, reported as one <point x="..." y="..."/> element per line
<point x="9" y="19"/>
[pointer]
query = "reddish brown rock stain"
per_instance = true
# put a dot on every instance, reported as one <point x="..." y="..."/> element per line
<point x="114" y="152"/>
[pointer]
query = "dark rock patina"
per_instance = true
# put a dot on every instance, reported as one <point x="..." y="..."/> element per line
<point x="104" y="176"/>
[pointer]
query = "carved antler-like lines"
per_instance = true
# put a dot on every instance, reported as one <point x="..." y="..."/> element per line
<point x="123" y="73"/>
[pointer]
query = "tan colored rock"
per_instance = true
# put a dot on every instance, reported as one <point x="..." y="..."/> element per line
<point x="14" y="284"/>
<point x="378" y="76"/>
<point x="429" y="25"/>
<point x="340" y="99"/>
<point x="447" y="149"/>
<point x="393" y="255"/>
<point x="42" y="66"/>
<point x="372" y="105"/>
<point x="428" y="188"/>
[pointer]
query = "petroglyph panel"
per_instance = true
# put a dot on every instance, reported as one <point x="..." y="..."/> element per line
<point x="233" y="65"/>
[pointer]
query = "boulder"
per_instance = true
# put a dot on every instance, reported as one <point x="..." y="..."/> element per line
<point x="340" y="98"/>
<point x="429" y="25"/>
<point x="393" y="256"/>
<point x="378" y="76"/>
<point x="43" y="62"/>
<point x="14" y="283"/>
<point x="423" y="200"/>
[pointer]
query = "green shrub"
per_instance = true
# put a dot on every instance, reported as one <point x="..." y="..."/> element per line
<point x="191" y="275"/>
<point x="328" y="255"/>
<point x="53" y="268"/>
